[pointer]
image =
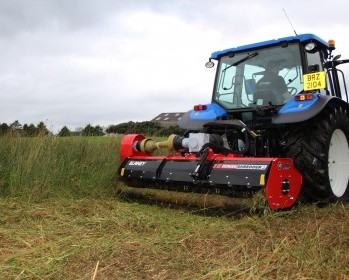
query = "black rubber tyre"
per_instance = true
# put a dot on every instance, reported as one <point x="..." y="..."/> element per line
<point x="320" y="150"/>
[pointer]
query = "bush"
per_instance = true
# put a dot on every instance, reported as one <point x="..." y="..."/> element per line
<point x="146" y="128"/>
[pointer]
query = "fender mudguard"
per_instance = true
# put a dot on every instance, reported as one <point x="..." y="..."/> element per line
<point x="299" y="111"/>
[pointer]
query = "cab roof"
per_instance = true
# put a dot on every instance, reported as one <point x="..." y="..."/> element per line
<point x="302" y="38"/>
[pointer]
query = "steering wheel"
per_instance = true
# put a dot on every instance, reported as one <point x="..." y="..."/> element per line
<point x="267" y="96"/>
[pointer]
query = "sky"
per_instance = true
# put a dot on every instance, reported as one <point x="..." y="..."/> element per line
<point x="103" y="62"/>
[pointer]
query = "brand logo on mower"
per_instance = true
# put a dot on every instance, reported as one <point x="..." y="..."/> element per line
<point x="283" y="166"/>
<point x="241" y="166"/>
<point x="137" y="163"/>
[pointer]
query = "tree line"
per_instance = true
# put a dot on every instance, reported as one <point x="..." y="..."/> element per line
<point x="17" y="129"/>
<point x="147" y="128"/>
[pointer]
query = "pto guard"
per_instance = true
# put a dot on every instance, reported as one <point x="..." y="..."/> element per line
<point x="127" y="146"/>
<point x="214" y="173"/>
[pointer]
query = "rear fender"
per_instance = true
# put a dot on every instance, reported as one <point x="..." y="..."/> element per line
<point x="299" y="111"/>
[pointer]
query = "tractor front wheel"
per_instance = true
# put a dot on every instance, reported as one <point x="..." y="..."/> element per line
<point x="320" y="150"/>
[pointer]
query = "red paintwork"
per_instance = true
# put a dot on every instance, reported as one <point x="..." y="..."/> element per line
<point x="127" y="149"/>
<point x="280" y="170"/>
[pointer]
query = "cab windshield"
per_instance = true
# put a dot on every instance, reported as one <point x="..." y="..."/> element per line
<point x="263" y="77"/>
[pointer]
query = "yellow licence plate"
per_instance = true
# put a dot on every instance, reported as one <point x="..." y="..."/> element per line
<point x="314" y="81"/>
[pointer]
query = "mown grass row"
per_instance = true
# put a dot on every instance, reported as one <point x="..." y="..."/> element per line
<point x="47" y="167"/>
<point x="76" y="239"/>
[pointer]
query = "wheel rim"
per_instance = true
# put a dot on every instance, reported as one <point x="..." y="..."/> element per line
<point x="338" y="163"/>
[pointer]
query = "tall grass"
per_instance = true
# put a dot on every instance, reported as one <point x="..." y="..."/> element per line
<point x="48" y="167"/>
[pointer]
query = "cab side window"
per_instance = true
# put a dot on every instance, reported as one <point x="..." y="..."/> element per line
<point x="314" y="62"/>
<point x="315" y="65"/>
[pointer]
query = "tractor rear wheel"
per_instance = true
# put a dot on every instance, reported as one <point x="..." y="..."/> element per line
<point x="320" y="150"/>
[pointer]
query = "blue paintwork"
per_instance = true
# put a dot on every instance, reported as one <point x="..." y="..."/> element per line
<point x="211" y="113"/>
<point x="293" y="106"/>
<point x="301" y="38"/>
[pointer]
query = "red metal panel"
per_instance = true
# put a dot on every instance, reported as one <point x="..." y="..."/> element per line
<point x="282" y="182"/>
<point x="283" y="170"/>
<point x="127" y="149"/>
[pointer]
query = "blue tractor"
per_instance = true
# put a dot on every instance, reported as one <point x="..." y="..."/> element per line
<point x="278" y="120"/>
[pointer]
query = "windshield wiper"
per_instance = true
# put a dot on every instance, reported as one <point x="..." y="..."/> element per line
<point x="247" y="57"/>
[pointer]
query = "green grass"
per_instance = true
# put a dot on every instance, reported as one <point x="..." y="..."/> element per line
<point x="38" y="168"/>
<point x="63" y="216"/>
<point x="66" y="239"/>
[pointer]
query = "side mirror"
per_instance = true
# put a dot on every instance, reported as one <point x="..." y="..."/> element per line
<point x="209" y="64"/>
<point x="338" y="56"/>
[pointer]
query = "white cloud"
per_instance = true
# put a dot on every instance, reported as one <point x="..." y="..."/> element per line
<point x="105" y="62"/>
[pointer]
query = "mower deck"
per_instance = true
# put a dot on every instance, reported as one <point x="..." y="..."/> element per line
<point x="231" y="174"/>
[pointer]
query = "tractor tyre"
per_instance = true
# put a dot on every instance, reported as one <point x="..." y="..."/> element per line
<point x="320" y="150"/>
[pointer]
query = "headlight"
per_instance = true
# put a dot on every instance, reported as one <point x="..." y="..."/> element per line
<point x="310" y="47"/>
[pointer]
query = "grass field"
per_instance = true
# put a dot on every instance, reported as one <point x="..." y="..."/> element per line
<point x="63" y="217"/>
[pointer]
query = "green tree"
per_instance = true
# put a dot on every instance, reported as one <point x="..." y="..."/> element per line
<point x="98" y="131"/>
<point x="146" y="128"/>
<point x="64" y="132"/>
<point x="15" y="126"/>
<point x="41" y="129"/>
<point x="29" y="130"/>
<point x="32" y="130"/>
<point x="87" y="130"/>
<point x="90" y="130"/>
<point x="4" y="129"/>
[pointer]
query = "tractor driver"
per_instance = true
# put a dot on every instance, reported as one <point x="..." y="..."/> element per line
<point x="272" y="81"/>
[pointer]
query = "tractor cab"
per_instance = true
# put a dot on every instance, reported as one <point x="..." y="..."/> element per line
<point x="268" y="73"/>
<point x="267" y="76"/>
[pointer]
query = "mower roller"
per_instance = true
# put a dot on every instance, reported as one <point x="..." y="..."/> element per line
<point x="278" y="121"/>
